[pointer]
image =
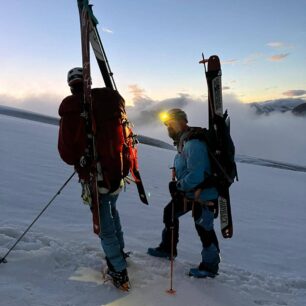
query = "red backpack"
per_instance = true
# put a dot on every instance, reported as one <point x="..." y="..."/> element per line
<point x="114" y="137"/>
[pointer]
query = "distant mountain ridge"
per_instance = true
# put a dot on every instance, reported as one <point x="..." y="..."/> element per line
<point x="28" y="115"/>
<point x="280" y="105"/>
<point x="23" y="114"/>
<point x="300" y="110"/>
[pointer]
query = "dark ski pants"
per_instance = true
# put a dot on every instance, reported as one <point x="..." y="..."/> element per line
<point x="203" y="219"/>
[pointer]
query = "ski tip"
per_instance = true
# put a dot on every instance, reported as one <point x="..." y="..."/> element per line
<point x="213" y="58"/>
<point x="214" y="63"/>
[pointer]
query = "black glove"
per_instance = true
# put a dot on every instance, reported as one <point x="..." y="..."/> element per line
<point x="85" y="161"/>
<point x="173" y="188"/>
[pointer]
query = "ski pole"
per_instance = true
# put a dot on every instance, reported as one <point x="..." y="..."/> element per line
<point x="3" y="259"/>
<point x="171" y="290"/>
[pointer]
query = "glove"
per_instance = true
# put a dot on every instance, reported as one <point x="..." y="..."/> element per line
<point x="173" y="188"/>
<point x="86" y="194"/>
<point x="84" y="161"/>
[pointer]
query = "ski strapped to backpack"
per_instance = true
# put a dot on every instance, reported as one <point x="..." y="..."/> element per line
<point x="97" y="47"/>
<point x="99" y="52"/>
<point x="91" y="150"/>
<point x="95" y="135"/>
<point x="220" y="145"/>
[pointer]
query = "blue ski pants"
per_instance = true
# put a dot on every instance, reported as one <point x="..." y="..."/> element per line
<point x="111" y="234"/>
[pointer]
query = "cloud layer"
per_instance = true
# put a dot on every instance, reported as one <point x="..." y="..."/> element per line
<point x="295" y="93"/>
<point x="279" y="45"/>
<point x="278" y="57"/>
<point x="106" y="30"/>
<point x="275" y="44"/>
<point x="43" y="104"/>
<point x="277" y="136"/>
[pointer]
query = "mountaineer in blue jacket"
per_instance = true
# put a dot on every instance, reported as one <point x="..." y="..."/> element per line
<point x="191" y="166"/>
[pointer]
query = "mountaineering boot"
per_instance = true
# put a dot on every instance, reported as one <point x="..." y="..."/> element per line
<point x="120" y="279"/>
<point x="209" y="266"/>
<point x="204" y="270"/>
<point x="161" y="252"/>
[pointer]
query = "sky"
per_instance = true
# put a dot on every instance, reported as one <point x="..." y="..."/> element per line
<point x="154" y="48"/>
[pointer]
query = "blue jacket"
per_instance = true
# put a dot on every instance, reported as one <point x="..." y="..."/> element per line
<point x="190" y="166"/>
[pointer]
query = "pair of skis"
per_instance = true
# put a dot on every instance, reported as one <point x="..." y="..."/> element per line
<point x="90" y="36"/>
<point x="213" y="75"/>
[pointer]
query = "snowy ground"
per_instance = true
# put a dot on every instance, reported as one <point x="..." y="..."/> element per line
<point x="58" y="261"/>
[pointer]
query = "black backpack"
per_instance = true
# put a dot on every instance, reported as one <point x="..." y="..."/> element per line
<point x="221" y="151"/>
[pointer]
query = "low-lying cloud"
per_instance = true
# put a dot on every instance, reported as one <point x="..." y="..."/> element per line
<point x="43" y="104"/>
<point x="137" y="92"/>
<point x="277" y="136"/>
<point x="145" y="111"/>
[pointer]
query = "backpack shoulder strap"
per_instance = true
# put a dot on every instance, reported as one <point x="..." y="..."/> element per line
<point x="191" y="133"/>
<point x="198" y="133"/>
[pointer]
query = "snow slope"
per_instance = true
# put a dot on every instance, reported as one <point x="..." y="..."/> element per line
<point x="58" y="262"/>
